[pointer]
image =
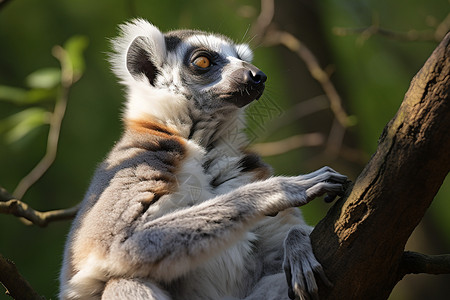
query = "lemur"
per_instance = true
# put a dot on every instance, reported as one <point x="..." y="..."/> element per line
<point x="179" y="209"/>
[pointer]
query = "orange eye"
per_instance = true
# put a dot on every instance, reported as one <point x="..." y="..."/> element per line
<point x="202" y="62"/>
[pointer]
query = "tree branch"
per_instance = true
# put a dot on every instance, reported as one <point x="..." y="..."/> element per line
<point x="415" y="263"/>
<point x="410" y="36"/>
<point x="264" y="30"/>
<point x="288" y="144"/>
<point x="68" y="78"/>
<point x="16" y="286"/>
<point x="10" y="205"/>
<point x="275" y="37"/>
<point x="361" y="240"/>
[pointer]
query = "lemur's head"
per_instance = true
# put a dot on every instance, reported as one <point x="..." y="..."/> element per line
<point x="164" y="72"/>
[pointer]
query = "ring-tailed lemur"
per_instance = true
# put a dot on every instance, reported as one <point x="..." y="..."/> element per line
<point x="179" y="209"/>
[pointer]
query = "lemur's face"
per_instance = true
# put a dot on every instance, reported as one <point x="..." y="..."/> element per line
<point x="214" y="70"/>
<point x="207" y="69"/>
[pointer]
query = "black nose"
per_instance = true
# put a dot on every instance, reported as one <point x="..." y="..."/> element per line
<point x="246" y="85"/>
<point x="253" y="75"/>
<point x="257" y="77"/>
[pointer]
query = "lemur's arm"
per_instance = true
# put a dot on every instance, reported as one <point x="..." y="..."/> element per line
<point x="171" y="245"/>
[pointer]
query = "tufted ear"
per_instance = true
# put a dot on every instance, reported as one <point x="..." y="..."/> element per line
<point x="139" y="51"/>
<point x="140" y="59"/>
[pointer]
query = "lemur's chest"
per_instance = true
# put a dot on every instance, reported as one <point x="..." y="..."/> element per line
<point x="205" y="173"/>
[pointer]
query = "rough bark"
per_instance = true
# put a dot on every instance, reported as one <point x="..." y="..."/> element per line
<point x="16" y="286"/>
<point x="361" y="240"/>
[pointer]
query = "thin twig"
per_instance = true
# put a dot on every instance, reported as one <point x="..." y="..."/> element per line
<point x="288" y="144"/>
<point x="286" y="39"/>
<point x="412" y="35"/>
<point x="264" y="19"/>
<point x="273" y="37"/>
<point x="268" y="36"/>
<point x="16" y="286"/>
<point x="300" y="110"/>
<point x="10" y="205"/>
<point x="335" y="139"/>
<point x="367" y="32"/>
<point x="67" y="80"/>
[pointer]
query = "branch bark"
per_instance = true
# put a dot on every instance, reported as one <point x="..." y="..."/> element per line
<point x="361" y="240"/>
<point x="415" y="263"/>
<point x="16" y="286"/>
<point x="10" y="205"/>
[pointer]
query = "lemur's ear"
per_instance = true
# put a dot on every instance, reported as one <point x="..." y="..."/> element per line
<point x="139" y="51"/>
<point x="139" y="59"/>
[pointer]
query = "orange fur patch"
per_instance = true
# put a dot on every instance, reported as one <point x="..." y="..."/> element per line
<point x="150" y="127"/>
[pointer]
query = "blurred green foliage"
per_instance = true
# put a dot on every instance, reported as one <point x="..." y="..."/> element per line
<point x="371" y="74"/>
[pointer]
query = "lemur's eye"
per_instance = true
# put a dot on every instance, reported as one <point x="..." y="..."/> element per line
<point x="202" y="62"/>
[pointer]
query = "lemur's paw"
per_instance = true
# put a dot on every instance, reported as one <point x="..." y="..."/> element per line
<point x="300" y="266"/>
<point x="325" y="181"/>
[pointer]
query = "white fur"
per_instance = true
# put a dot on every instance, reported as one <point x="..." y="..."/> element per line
<point x="212" y="42"/>
<point x="165" y="107"/>
<point x="128" y="33"/>
<point x="244" y="52"/>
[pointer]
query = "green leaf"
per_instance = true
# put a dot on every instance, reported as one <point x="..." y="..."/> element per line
<point x="41" y="95"/>
<point x="12" y="94"/>
<point x="17" y="126"/>
<point x="44" y="78"/>
<point x="75" y="47"/>
<point x="23" y="97"/>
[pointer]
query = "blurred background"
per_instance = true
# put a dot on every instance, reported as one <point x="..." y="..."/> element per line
<point x="368" y="51"/>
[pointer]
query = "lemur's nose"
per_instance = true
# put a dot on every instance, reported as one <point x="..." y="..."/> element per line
<point x="254" y="76"/>
<point x="257" y="77"/>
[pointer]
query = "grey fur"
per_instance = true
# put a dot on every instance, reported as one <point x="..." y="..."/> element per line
<point x="178" y="210"/>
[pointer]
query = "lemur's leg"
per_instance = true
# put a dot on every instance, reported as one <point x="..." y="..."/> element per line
<point x="300" y="264"/>
<point x="271" y="287"/>
<point x="132" y="289"/>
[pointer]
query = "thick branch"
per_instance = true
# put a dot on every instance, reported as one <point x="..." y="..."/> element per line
<point x="10" y="205"/>
<point x="16" y="286"/>
<point x="360" y="242"/>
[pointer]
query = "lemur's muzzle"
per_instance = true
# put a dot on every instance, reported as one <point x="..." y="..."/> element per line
<point x="248" y="85"/>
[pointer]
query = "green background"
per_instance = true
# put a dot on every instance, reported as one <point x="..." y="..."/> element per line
<point x="371" y="75"/>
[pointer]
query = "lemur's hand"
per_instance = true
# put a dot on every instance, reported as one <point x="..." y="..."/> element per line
<point x="300" y="265"/>
<point x="325" y="181"/>
<point x="299" y="190"/>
